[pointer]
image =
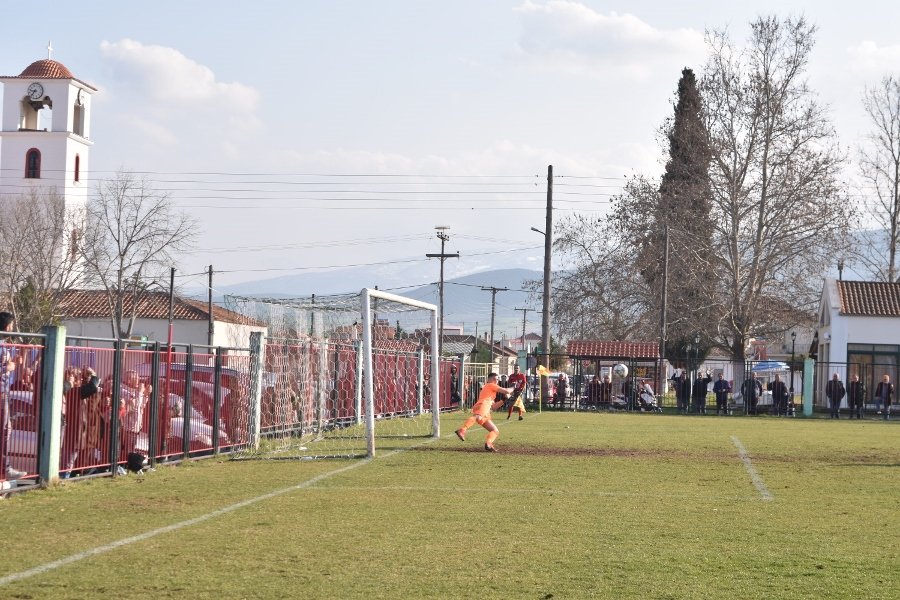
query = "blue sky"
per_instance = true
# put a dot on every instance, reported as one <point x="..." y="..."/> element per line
<point x="306" y="135"/>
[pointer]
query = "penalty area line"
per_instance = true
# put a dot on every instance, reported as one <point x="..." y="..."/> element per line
<point x="751" y="470"/>
<point x="50" y="566"/>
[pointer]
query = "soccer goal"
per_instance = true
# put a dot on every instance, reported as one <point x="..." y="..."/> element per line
<point x="344" y="375"/>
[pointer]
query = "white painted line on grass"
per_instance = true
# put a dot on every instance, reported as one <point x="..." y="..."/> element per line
<point x="40" y="569"/>
<point x="554" y="491"/>
<point x="754" y="476"/>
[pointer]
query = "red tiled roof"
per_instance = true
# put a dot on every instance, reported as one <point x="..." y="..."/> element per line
<point x="869" y="298"/>
<point x="47" y="69"/>
<point x="93" y="304"/>
<point x="594" y="349"/>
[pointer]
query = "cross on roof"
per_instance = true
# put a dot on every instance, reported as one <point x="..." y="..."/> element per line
<point x="49" y="49"/>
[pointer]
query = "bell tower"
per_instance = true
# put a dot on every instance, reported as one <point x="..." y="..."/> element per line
<point x="45" y="133"/>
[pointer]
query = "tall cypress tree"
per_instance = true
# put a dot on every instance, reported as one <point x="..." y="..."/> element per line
<point x="685" y="205"/>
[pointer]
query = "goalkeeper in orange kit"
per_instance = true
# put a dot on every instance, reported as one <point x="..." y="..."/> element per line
<point x="481" y="412"/>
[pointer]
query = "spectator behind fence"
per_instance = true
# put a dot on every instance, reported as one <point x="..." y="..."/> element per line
<point x="751" y="391"/>
<point x="721" y="389"/>
<point x="701" y="386"/>
<point x="7" y="367"/>
<point x="134" y="397"/>
<point x="593" y="392"/>
<point x="606" y="392"/>
<point x="678" y="384"/>
<point x="856" y="394"/>
<point x="835" y="392"/>
<point x="884" y="395"/>
<point x="779" y="395"/>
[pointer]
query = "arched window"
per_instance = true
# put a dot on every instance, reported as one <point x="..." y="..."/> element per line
<point x="33" y="164"/>
<point x="77" y="168"/>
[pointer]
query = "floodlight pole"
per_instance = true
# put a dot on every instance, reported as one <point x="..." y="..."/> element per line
<point x="444" y="237"/>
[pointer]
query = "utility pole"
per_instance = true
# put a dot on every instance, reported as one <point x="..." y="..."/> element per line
<point x="548" y="246"/>
<point x="524" y="314"/>
<point x="444" y="237"/>
<point x="493" y="291"/>
<point x="209" y="335"/>
<point x="662" y="312"/>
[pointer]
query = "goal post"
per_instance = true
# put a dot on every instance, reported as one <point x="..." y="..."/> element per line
<point x="342" y="375"/>
<point x="367" y="296"/>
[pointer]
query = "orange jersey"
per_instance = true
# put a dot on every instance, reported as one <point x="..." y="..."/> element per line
<point x="486" y="399"/>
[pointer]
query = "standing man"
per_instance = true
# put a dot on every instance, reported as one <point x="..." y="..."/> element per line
<point x="779" y="395"/>
<point x="7" y="366"/>
<point x="701" y="386"/>
<point x="856" y="395"/>
<point x="606" y="392"/>
<point x="752" y="391"/>
<point x="481" y="412"/>
<point x="517" y="381"/>
<point x="721" y="389"/>
<point x="454" y="386"/>
<point x="885" y="393"/>
<point x="678" y="384"/>
<point x="835" y="392"/>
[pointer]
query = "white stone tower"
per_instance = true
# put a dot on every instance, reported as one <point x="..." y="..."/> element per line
<point x="45" y="129"/>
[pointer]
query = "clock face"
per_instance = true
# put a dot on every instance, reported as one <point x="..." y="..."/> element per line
<point x="35" y="91"/>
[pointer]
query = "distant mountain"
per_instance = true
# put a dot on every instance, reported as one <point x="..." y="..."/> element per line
<point x="465" y="303"/>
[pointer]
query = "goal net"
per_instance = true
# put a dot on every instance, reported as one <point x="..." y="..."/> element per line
<point x="343" y="375"/>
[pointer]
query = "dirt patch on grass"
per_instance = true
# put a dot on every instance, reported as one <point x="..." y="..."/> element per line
<point x="516" y="450"/>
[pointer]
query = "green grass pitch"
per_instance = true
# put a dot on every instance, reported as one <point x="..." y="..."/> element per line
<point x="572" y="506"/>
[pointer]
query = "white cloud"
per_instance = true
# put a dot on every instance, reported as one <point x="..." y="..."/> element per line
<point x="569" y="36"/>
<point x="869" y="57"/>
<point x="164" y="100"/>
<point x="167" y="76"/>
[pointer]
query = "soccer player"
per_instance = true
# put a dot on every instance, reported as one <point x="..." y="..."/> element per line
<point x="518" y="381"/>
<point x="481" y="412"/>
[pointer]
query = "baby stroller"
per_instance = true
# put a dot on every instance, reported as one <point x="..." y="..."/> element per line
<point x="647" y="400"/>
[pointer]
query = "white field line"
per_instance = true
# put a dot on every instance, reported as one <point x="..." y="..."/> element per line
<point x="754" y="476"/>
<point x="529" y="491"/>
<point x="44" y="568"/>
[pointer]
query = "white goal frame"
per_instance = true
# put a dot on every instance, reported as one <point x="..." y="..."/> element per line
<point x="366" y="297"/>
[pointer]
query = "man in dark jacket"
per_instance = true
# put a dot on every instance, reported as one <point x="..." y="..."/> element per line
<point x="835" y="392"/>
<point x="700" y="388"/>
<point x="721" y="389"/>
<point x="752" y="391"/>
<point x="885" y="393"/>
<point x="779" y="395"/>
<point x="856" y="394"/>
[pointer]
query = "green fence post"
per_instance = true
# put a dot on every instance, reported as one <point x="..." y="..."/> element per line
<point x="52" y="368"/>
<point x="808" y="387"/>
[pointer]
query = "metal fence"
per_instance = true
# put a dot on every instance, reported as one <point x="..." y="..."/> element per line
<point x="90" y="406"/>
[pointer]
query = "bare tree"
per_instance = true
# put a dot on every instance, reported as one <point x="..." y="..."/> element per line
<point x="38" y="258"/>
<point x="879" y="165"/>
<point x="779" y="208"/>
<point x="603" y="294"/>
<point x="131" y="236"/>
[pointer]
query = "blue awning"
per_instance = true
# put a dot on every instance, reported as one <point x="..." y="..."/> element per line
<point x="770" y="365"/>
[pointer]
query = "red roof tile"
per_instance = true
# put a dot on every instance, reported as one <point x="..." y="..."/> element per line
<point x="94" y="304"/>
<point x="594" y="349"/>
<point x="869" y="298"/>
<point x="47" y="69"/>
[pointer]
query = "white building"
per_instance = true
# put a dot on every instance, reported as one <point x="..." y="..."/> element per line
<point x="45" y="128"/>
<point x="859" y="331"/>
<point x="86" y="313"/>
